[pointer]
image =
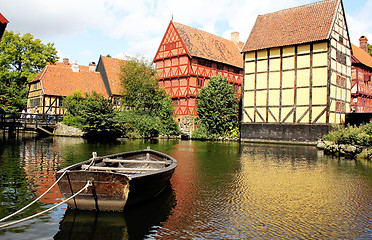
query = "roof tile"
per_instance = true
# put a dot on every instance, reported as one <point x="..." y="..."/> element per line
<point x="59" y="80"/>
<point x="307" y="23"/>
<point x="362" y="56"/>
<point x="211" y="47"/>
<point x="113" y="68"/>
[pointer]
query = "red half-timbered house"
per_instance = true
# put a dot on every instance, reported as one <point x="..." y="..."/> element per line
<point x="188" y="57"/>
<point x="3" y="23"/>
<point x="361" y="77"/>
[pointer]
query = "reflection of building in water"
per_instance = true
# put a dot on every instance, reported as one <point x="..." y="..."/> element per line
<point x="40" y="164"/>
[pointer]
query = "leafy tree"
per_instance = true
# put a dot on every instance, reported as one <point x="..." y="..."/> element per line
<point x="142" y="95"/>
<point x="139" y="125"/>
<point x="370" y="49"/>
<point x="140" y="89"/>
<point x="92" y="113"/>
<point x="21" y="58"/>
<point x="218" y="106"/>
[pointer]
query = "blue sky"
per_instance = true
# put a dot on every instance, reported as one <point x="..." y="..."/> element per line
<point x="83" y="30"/>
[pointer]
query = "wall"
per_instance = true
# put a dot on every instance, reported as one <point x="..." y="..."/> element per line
<point x="284" y="132"/>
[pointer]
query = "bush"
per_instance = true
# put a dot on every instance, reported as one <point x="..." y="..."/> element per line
<point x="365" y="154"/>
<point x="201" y="133"/>
<point x="139" y="125"/>
<point x="351" y="135"/>
<point x="92" y="113"/>
<point x="218" y="106"/>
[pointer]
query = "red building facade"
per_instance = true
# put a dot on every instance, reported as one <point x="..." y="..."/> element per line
<point x="188" y="57"/>
<point x="361" y="76"/>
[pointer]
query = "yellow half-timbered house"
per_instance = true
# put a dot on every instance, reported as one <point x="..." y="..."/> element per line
<point x="58" y="80"/>
<point x="297" y="73"/>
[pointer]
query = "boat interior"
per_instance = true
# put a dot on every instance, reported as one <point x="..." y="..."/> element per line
<point x="139" y="164"/>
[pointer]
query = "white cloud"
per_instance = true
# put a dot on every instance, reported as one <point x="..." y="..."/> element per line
<point x="360" y="24"/>
<point x="138" y="26"/>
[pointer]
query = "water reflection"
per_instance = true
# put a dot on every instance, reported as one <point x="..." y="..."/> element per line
<point x="219" y="191"/>
<point x="135" y="223"/>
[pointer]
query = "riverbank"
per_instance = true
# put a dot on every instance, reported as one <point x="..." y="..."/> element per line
<point x="349" y="151"/>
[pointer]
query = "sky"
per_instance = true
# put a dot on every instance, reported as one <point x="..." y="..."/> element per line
<point x="82" y="30"/>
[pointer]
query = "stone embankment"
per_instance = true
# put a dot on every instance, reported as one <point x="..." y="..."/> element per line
<point x="67" y="131"/>
<point x="339" y="149"/>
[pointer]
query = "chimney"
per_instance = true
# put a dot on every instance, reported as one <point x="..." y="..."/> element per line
<point x="235" y="37"/>
<point x="65" y="61"/>
<point x="75" y="66"/>
<point x="363" y="43"/>
<point x="92" y="66"/>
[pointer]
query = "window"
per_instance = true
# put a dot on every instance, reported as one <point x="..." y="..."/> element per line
<point x="367" y="77"/>
<point x="341" y="81"/>
<point x="340" y="106"/>
<point x="204" y="63"/>
<point x="219" y="66"/>
<point x="34" y="102"/>
<point x="170" y="46"/>
<point x="236" y="70"/>
<point x="341" y="39"/>
<point x="200" y="82"/>
<point x="341" y="57"/>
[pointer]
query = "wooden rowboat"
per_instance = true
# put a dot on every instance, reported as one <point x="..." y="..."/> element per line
<point x="117" y="180"/>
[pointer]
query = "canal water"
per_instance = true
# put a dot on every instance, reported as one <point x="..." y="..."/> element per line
<point x="218" y="191"/>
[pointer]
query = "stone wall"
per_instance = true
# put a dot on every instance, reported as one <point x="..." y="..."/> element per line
<point x="67" y="131"/>
<point x="284" y="132"/>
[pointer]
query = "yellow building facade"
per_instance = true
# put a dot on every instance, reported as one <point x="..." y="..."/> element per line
<point x="301" y="77"/>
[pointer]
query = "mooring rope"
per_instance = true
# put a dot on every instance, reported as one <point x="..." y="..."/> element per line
<point x="37" y="214"/>
<point x="37" y="199"/>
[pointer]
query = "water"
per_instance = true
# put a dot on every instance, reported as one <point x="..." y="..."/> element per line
<point x="218" y="191"/>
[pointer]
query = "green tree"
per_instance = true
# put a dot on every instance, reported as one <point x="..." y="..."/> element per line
<point x="140" y="88"/>
<point x="370" y="49"/>
<point x="92" y="113"/>
<point x="21" y="58"/>
<point x="217" y="106"/>
<point x="142" y="95"/>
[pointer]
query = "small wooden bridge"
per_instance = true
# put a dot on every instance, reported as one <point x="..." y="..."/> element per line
<point x="42" y="123"/>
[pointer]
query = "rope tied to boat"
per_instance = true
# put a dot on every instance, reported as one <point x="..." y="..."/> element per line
<point x="89" y="183"/>
<point x="91" y="162"/>
<point x="37" y="199"/>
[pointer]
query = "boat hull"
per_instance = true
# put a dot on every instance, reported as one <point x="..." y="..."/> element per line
<point x="108" y="192"/>
<point x="112" y="190"/>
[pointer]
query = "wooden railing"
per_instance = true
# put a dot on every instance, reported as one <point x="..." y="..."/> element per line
<point x="28" y="120"/>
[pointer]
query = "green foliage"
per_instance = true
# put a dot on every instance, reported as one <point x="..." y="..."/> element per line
<point x="370" y="49"/>
<point x="351" y="135"/>
<point x="218" y="107"/>
<point x="201" y="132"/>
<point x="365" y="154"/>
<point x="140" y="89"/>
<point x="139" y="125"/>
<point x="142" y="96"/>
<point x="21" y="58"/>
<point x="92" y="113"/>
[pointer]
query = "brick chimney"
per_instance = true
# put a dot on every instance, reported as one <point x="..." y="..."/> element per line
<point x="363" y="43"/>
<point x="235" y="37"/>
<point x="65" y="61"/>
<point x="92" y="66"/>
<point x="75" y="66"/>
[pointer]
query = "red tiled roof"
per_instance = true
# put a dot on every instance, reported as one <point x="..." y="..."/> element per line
<point x="362" y="56"/>
<point x="3" y="19"/>
<point x="208" y="46"/>
<point x="113" y="68"/>
<point x="308" y="23"/>
<point x="59" y="80"/>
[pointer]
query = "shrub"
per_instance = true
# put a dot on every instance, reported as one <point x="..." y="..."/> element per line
<point x="201" y="133"/>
